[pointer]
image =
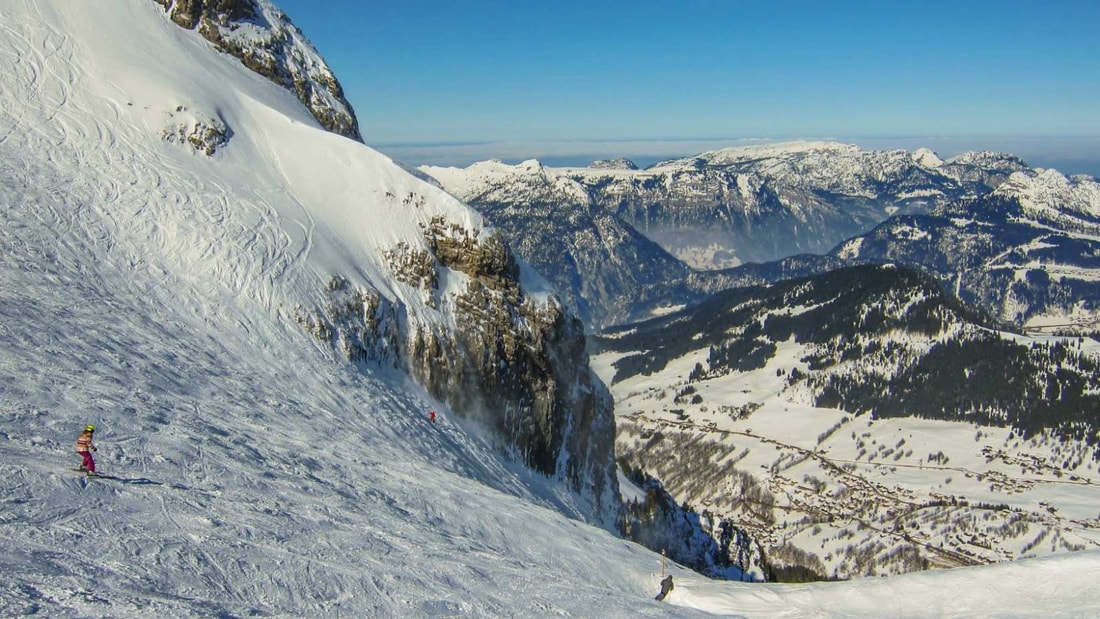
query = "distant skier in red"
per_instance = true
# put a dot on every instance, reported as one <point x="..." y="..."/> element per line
<point x="432" y="417"/>
<point x="85" y="447"/>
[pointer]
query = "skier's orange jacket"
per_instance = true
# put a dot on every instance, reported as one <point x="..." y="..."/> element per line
<point x="84" y="443"/>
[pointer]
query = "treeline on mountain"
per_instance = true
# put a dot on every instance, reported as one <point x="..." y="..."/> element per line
<point x="741" y="325"/>
<point x="881" y="339"/>
<point x="987" y="380"/>
<point x="992" y="253"/>
<point x="979" y="246"/>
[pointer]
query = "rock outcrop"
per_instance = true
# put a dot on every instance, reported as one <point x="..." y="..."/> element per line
<point x="263" y="38"/>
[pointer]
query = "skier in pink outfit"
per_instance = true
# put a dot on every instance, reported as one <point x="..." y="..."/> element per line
<point x="85" y="447"/>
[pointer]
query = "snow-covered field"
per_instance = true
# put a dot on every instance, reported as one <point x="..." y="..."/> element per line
<point x="146" y="287"/>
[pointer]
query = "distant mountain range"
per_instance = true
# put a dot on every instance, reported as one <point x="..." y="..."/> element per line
<point x="620" y="242"/>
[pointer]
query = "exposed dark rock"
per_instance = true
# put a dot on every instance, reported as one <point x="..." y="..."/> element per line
<point x="204" y="134"/>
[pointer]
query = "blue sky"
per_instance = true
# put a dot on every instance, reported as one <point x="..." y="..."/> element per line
<point x="596" y="71"/>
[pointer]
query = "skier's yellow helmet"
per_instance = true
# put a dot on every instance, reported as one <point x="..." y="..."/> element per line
<point x="89" y="428"/>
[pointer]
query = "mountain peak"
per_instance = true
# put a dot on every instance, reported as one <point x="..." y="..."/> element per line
<point x="265" y="41"/>
<point x="777" y="150"/>
<point x="530" y="165"/>
<point x="613" y="164"/>
<point x="986" y="158"/>
<point x="927" y="158"/>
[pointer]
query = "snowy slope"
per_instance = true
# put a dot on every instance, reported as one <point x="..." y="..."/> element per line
<point x="276" y="213"/>
<point x="1046" y="193"/>
<point x="146" y="287"/>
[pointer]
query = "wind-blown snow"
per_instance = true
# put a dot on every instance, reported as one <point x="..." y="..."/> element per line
<point x="145" y="288"/>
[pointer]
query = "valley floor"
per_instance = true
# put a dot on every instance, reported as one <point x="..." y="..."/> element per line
<point x="849" y="496"/>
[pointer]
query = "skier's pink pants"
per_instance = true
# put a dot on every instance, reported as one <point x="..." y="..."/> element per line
<point x="88" y="462"/>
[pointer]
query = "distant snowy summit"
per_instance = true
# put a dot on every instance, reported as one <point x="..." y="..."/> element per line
<point x="1045" y="191"/>
<point x="613" y="164"/>
<point x="721" y="208"/>
<point x="495" y="181"/>
<point x="262" y="37"/>
<point x="847" y="169"/>
<point x="756" y="152"/>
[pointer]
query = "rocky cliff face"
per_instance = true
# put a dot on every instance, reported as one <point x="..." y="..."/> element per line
<point x="514" y="361"/>
<point x="707" y="543"/>
<point x="263" y="38"/>
<point x="449" y="309"/>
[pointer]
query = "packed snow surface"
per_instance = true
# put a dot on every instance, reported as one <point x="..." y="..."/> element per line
<point x="146" y="288"/>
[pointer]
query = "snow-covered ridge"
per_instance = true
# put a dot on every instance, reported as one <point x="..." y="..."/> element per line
<point x="781" y="150"/>
<point x="497" y="181"/>
<point x="614" y="164"/>
<point x="1049" y="191"/>
<point x="831" y="163"/>
<point x="986" y="159"/>
<point x="927" y="158"/>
